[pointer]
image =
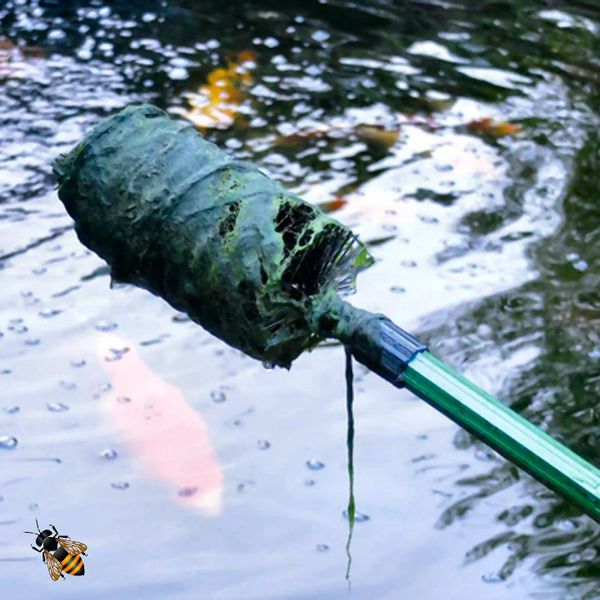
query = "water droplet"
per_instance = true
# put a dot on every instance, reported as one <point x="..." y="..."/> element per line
<point x="397" y="289"/>
<point x="8" y="442"/>
<point x="263" y="444"/>
<point x="244" y="486"/>
<point x="105" y="326"/>
<point x="218" y="396"/>
<point x="269" y="365"/>
<point x="123" y="400"/>
<point x="57" y="407"/>
<point x="68" y="385"/>
<point x="589" y="554"/>
<point x="187" y="491"/>
<point x="358" y="517"/>
<point x="33" y="506"/>
<point x="485" y="455"/>
<point x="574" y="557"/>
<point x="116" y="354"/>
<point x="320" y="36"/>
<point x="33" y="342"/>
<point x="108" y="454"/>
<point x="78" y="363"/>
<point x="180" y="318"/>
<point x="5" y="372"/>
<point x="492" y="578"/>
<point x="315" y="465"/>
<point x="48" y="313"/>
<point x="119" y="485"/>
<point x="322" y="547"/>
<point x="18" y="328"/>
<point x="39" y="270"/>
<point x="12" y="410"/>
<point x="309" y="482"/>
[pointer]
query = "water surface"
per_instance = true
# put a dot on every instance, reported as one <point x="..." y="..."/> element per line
<point x="462" y="144"/>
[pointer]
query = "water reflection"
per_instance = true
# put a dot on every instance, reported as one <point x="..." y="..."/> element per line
<point x="461" y="143"/>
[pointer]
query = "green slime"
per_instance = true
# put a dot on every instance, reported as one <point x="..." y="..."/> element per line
<point x="214" y="236"/>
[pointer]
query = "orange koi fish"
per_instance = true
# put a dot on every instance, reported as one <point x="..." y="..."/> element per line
<point x="170" y="438"/>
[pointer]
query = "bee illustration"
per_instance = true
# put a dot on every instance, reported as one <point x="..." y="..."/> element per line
<point x="59" y="552"/>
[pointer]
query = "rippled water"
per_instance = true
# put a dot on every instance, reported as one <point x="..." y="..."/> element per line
<point x="462" y="143"/>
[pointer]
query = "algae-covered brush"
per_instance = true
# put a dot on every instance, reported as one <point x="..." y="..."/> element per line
<point x="263" y="270"/>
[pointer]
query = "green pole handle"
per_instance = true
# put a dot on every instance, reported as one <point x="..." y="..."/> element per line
<point x="502" y="429"/>
<point x="404" y="361"/>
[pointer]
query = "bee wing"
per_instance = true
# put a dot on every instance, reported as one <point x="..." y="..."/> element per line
<point x="72" y="546"/>
<point x="54" y="567"/>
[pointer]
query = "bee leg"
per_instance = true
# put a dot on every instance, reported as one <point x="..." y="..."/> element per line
<point x="62" y="536"/>
<point x="36" y="549"/>
<point x="55" y="532"/>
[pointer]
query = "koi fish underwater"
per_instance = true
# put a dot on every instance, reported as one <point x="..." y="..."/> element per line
<point x="264" y="271"/>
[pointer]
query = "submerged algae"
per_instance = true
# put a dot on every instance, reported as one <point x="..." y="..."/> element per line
<point x="214" y="236"/>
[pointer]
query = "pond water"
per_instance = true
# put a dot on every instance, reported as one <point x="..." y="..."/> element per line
<point x="460" y="140"/>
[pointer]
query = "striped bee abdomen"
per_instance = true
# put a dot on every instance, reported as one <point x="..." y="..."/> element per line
<point x="72" y="564"/>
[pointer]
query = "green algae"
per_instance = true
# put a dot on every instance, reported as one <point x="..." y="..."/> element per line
<point x="215" y="237"/>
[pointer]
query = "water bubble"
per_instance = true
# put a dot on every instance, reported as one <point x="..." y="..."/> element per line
<point x="263" y="444"/>
<point x="5" y="372"/>
<point x="322" y="547"/>
<point x="116" y="354"/>
<point x="68" y="385"/>
<point x="218" y="396"/>
<point x="358" y="517"/>
<point x="119" y="485"/>
<point x="492" y="578"/>
<point x="315" y="465"/>
<point x="268" y="365"/>
<point x="245" y="486"/>
<point x="78" y="363"/>
<point x="105" y="326"/>
<point x="18" y="328"/>
<point x="48" y="313"/>
<point x="187" y="491"/>
<point x="320" y="36"/>
<point x="8" y="442"/>
<point x="57" y="407"/>
<point x="309" y="482"/>
<point x="39" y="270"/>
<point x="397" y="289"/>
<point x="180" y="318"/>
<point x="108" y="454"/>
<point x="574" y="557"/>
<point x="33" y="506"/>
<point x="178" y="73"/>
<point x="12" y="410"/>
<point x="589" y="554"/>
<point x="123" y="400"/>
<point x="33" y="342"/>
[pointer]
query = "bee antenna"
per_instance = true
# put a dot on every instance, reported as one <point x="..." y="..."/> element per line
<point x="32" y="532"/>
<point x="37" y="525"/>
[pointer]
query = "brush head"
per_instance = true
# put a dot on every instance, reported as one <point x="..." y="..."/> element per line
<point x="213" y="236"/>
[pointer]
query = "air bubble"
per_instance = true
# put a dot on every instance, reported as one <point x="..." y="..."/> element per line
<point x="8" y="442"/>
<point x="105" y="326"/>
<point x="120" y="485"/>
<point x="263" y="444"/>
<point x="358" y="517"/>
<point x="108" y="454"/>
<point x="57" y="407"/>
<point x="315" y="465"/>
<point x="218" y="396"/>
